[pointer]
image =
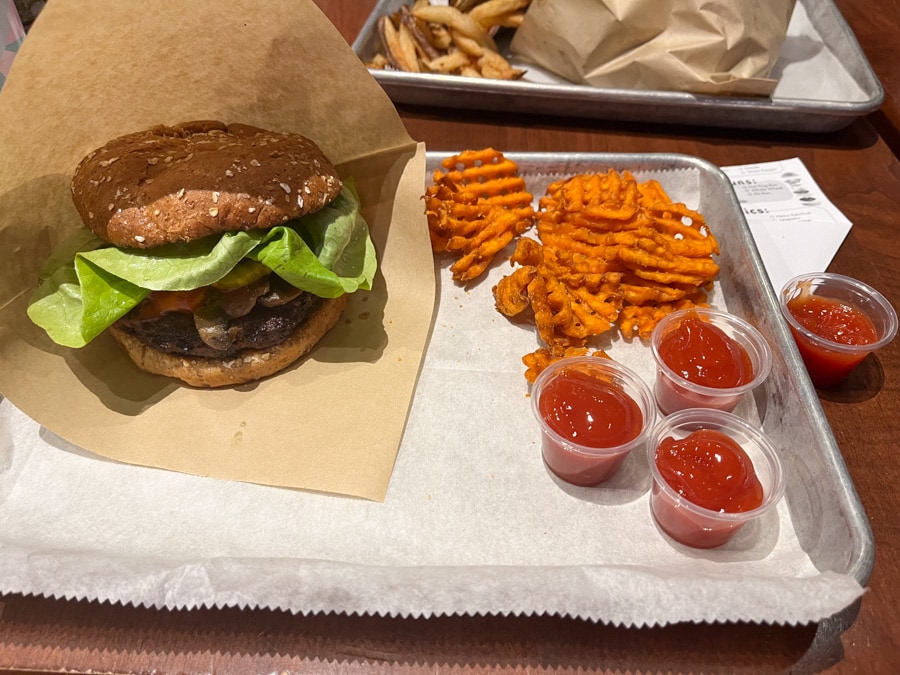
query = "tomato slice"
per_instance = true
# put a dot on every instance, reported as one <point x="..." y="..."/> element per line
<point x="160" y="302"/>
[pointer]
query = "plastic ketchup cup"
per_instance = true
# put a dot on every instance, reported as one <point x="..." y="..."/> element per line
<point x="734" y="343"/>
<point x="699" y="526"/>
<point x="592" y="413"/>
<point x="836" y="322"/>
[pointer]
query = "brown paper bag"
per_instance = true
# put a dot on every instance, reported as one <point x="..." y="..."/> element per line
<point x="90" y="70"/>
<point x="698" y="46"/>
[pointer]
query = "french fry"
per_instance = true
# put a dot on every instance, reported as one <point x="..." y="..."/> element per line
<point x="492" y="12"/>
<point x="468" y="45"/>
<point x="493" y="65"/>
<point x="419" y="32"/>
<point x="409" y="55"/>
<point x="454" y="19"/>
<point x="613" y="253"/>
<point x="470" y="71"/>
<point x="476" y="206"/>
<point x="441" y="36"/>
<point x="465" y="5"/>
<point x="378" y="62"/>
<point x="449" y="63"/>
<point x="513" y="20"/>
<point x="388" y="34"/>
<point x="395" y="49"/>
<point x="448" y="39"/>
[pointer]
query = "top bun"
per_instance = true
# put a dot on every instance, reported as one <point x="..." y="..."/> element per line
<point x="180" y="183"/>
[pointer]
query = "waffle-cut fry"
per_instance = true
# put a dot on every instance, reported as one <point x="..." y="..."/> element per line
<point x="479" y="251"/>
<point x="612" y="253"/>
<point x="477" y="205"/>
<point x="641" y="319"/>
<point x="511" y="293"/>
<point x="541" y="358"/>
<point x="471" y="167"/>
<point x="527" y="252"/>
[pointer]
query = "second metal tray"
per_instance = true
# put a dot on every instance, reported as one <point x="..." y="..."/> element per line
<point x="785" y="111"/>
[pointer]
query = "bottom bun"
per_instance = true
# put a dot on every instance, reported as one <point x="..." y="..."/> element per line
<point x="248" y="366"/>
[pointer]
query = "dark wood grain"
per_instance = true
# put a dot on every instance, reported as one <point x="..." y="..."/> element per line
<point x="877" y="28"/>
<point x="858" y="170"/>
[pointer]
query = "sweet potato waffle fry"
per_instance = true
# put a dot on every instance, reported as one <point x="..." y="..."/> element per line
<point x="454" y="39"/>
<point x="477" y="205"/>
<point x="612" y="253"/>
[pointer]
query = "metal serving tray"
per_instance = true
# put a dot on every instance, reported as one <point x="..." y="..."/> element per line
<point x="780" y="112"/>
<point x="473" y="523"/>
<point x="825" y="510"/>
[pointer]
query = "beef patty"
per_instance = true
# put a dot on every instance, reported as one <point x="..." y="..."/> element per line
<point x="262" y="328"/>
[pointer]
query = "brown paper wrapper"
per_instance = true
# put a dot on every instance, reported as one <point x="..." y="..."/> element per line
<point x="720" y="47"/>
<point x="91" y="70"/>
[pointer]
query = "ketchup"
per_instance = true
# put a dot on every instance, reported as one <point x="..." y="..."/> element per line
<point x="833" y="320"/>
<point x="711" y="470"/>
<point x="597" y="423"/>
<point x="590" y="411"/>
<point x="836" y="322"/>
<point x="703" y="354"/>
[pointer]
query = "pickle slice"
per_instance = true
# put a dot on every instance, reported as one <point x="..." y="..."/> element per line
<point x="243" y="274"/>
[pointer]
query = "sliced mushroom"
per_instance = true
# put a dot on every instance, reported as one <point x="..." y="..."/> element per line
<point x="241" y="301"/>
<point x="280" y="293"/>
<point x="213" y="330"/>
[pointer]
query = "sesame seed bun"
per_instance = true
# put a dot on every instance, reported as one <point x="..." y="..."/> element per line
<point x="179" y="183"/>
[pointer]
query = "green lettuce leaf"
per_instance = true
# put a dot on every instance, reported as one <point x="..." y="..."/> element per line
<point x="87" y="285"/>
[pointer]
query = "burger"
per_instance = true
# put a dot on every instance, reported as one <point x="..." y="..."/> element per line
<point x="214" y="253"/>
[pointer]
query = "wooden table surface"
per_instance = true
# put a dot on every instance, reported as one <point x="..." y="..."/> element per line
<point x="858" y="170"/>
<point x="876" y="24"/>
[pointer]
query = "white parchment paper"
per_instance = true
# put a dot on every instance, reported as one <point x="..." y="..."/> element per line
<point x="472" y="523"/>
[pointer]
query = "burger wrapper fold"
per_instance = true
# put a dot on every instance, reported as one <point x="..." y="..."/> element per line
<point x="712" y="47"/>
<point x="90" y="71"/>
